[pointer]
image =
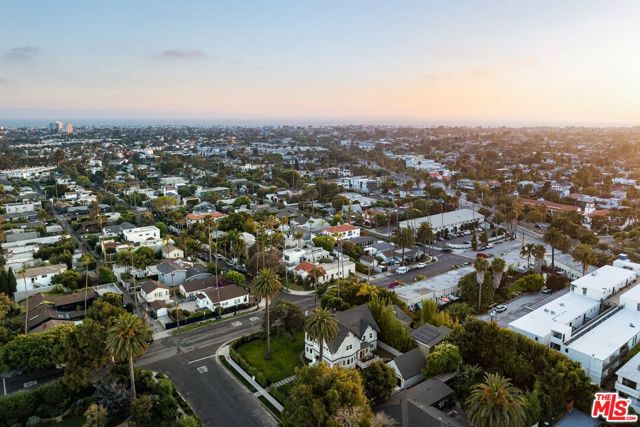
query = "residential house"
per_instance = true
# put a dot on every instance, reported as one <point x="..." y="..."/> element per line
<point x="152" y="290"/>
<point x="170" y="272"/>
<point x="408" y="368"/>
<point x="140" y="235"/>
<point x="344" y="231"/>
<point x="428" y="336"/>
<point x="38" y="277"/>
<point x="191" y="288"/>
<point x="354" y="344"/>
<point x="170" y="251"/>
<point x="226" y="297"/>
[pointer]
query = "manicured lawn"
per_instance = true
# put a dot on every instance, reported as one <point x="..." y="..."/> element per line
<point x="285" y="356"/>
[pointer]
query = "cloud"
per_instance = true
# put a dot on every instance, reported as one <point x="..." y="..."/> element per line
<point x="7" y="82"/>
<point x="22" y="53"/>
<point x="183" y="53"/>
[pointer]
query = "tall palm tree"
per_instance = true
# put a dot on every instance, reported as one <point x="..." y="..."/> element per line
<point x="23" y="271"/>
<point x="538" y="252"/>
<point x="404" y="238"/>
<point x="585" y="256"/>
<point x="267" y="285"/>
<point x="497" y="269"/>
<point x="481" y="266"/>
<point x="316" y="273"/>
<point x="527" y="251"/>
<point x="86" y="261"/>
<point x="321" y="326"/>
<point x="127" y="340"/>
<point x="496" y="403"/>
<point x="298" y="235"/>
<point x="425" y="235"/>
<point x="557" y="240"/>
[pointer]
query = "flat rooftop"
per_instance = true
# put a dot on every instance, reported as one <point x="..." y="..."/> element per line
<point x="603" y="279"/>
<point x="446" y="219"/>
<point x="558" y="312"/>
<point x="435" y="284"/>
<point x="609" y="336"/>
<point x="631" y="369"/>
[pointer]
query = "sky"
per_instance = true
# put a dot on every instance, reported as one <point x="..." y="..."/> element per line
<point x="389" y="62"/>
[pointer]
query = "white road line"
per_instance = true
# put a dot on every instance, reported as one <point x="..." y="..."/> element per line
<point x="202" y="358"/>
<point x="4" y="386"/>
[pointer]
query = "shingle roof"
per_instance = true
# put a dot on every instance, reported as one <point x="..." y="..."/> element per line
<point x="430" y="335"/>
<point x="356" y="320"/>
<point x="226" y="293"/>
<point x="410" y="363"/>
<point x="198" y="285"/>
<point x="151" y="285"/>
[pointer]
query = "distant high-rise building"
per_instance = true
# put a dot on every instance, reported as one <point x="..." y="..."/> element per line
<point x="69" y="128"/>
<point x="56" y="127"/>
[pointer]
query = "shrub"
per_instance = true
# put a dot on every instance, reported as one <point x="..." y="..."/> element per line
<point x="528" y="283"/>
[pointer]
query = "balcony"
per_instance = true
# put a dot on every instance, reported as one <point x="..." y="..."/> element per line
<point x="365" y="362"/>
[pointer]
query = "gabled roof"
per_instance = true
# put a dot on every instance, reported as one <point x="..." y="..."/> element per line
<point x="225" y="292"/>
<point x="341" y="228"/>
<point x="355" y="320"/>
<point x="198" y="285"/>
<point x="430" y="335"/>
<point x="152" y="285"/>
<point x="410" y="363"/>
<point x="308" y="267"/>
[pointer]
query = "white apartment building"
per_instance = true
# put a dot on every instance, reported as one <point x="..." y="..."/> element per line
<point x="22" y="207"/>
<point x="585" y="326"/>
<point x="360" y="184"/>
<point x="453" y="221"/>
<point x="628" y="381"/>
<point x="141" y="234"/>
<point x="344" y="231"/>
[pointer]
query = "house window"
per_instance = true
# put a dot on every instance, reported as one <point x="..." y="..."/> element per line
<point x="584" y="291"/>
<point x="628" y="383"/>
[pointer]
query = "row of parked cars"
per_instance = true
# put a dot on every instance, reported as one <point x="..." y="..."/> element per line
<point x="407" y="268"/>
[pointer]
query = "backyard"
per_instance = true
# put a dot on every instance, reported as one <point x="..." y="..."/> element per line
<point x="286" y="353"/>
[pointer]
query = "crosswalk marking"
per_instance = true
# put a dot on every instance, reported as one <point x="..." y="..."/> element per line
<point x="236" y="323"/>
<point x="202" y="370"/>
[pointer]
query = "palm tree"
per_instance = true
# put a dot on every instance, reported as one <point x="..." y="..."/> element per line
<point x="404" y="238"/>
<point x="538" y="252"/>
<point x="23" y="271"/>
<point x="496" y="403"/>
<point x="527" y="251"/>
<point x="482" y="266"/>
<point x="86" y="261"/>
<point x="497" y="269"/>
<point x="557" y="240"/>
<point x="298" y="235"/>
<point x="267" y="285"/>
<point x="321" y="326"/>
<point x="425" y="235"/>
<point x="316" y="273"/>
<point x="127" y="340"/>
<point x="585" y="256"/>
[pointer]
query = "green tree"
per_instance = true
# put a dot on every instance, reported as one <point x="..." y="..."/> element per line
<point x="127" y="339"/>
<point x="557" y="240"/>
<point x="404" y="238"/>
<point x="425" y="235"/>
<point x="318" y="393"/>
<point x="321" y="327"/>
<point x="267" y="285"/>
<point x="538" y="252"/>
<point x="497" y="270"/>
<point x="481" y="265"/>
<point x="496" y="403"/>
<point x="235" y="277"/>
<point x="286" y="318"/>
<point x="484" y="238"/>
<point x="527" y="251"/>
<point x="85" y="352"/>
<point x="379" y="381"/>
<point x="70" y="279"/>
<point x="95" y="416"/>
<point x="585" y="256"/>
<point x="325" y="242"/>
<point x="474" y="241"/>
<point x="5" y="305"/>
<point x="443" y="359"/>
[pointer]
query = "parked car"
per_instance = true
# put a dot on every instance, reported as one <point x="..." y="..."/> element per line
<point x="482" y="255"/>
<point x="500" y="308"/>
<point x="393" y="284"/>
<point x="402" y="270"/>
<point x="421" y="265"/>
<point x="546" y="290"/>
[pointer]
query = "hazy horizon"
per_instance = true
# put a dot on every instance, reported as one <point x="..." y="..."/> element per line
<point x="411" y="62"/>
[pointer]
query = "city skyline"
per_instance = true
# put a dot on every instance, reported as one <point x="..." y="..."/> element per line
<point x="421" y="63"/>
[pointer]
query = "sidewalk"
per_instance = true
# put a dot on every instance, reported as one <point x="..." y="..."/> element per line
<point x="224" y="352"/>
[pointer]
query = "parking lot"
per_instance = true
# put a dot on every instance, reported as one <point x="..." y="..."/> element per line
<point x="523" y="305"/>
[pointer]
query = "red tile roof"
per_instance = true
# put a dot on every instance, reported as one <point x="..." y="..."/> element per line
<point x="306" y="266"/>
<point x="341" y="228"/>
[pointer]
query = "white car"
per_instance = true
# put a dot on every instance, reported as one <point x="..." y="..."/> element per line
<point x="421" y="265"/>
<point x="402" y="270"/>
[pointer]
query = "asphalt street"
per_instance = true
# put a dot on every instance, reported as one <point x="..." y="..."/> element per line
<point x="523" y="305"/>
<point x="189" y="360"/>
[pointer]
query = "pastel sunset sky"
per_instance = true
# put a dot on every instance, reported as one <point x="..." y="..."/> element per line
<point x="419" y="62"/>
